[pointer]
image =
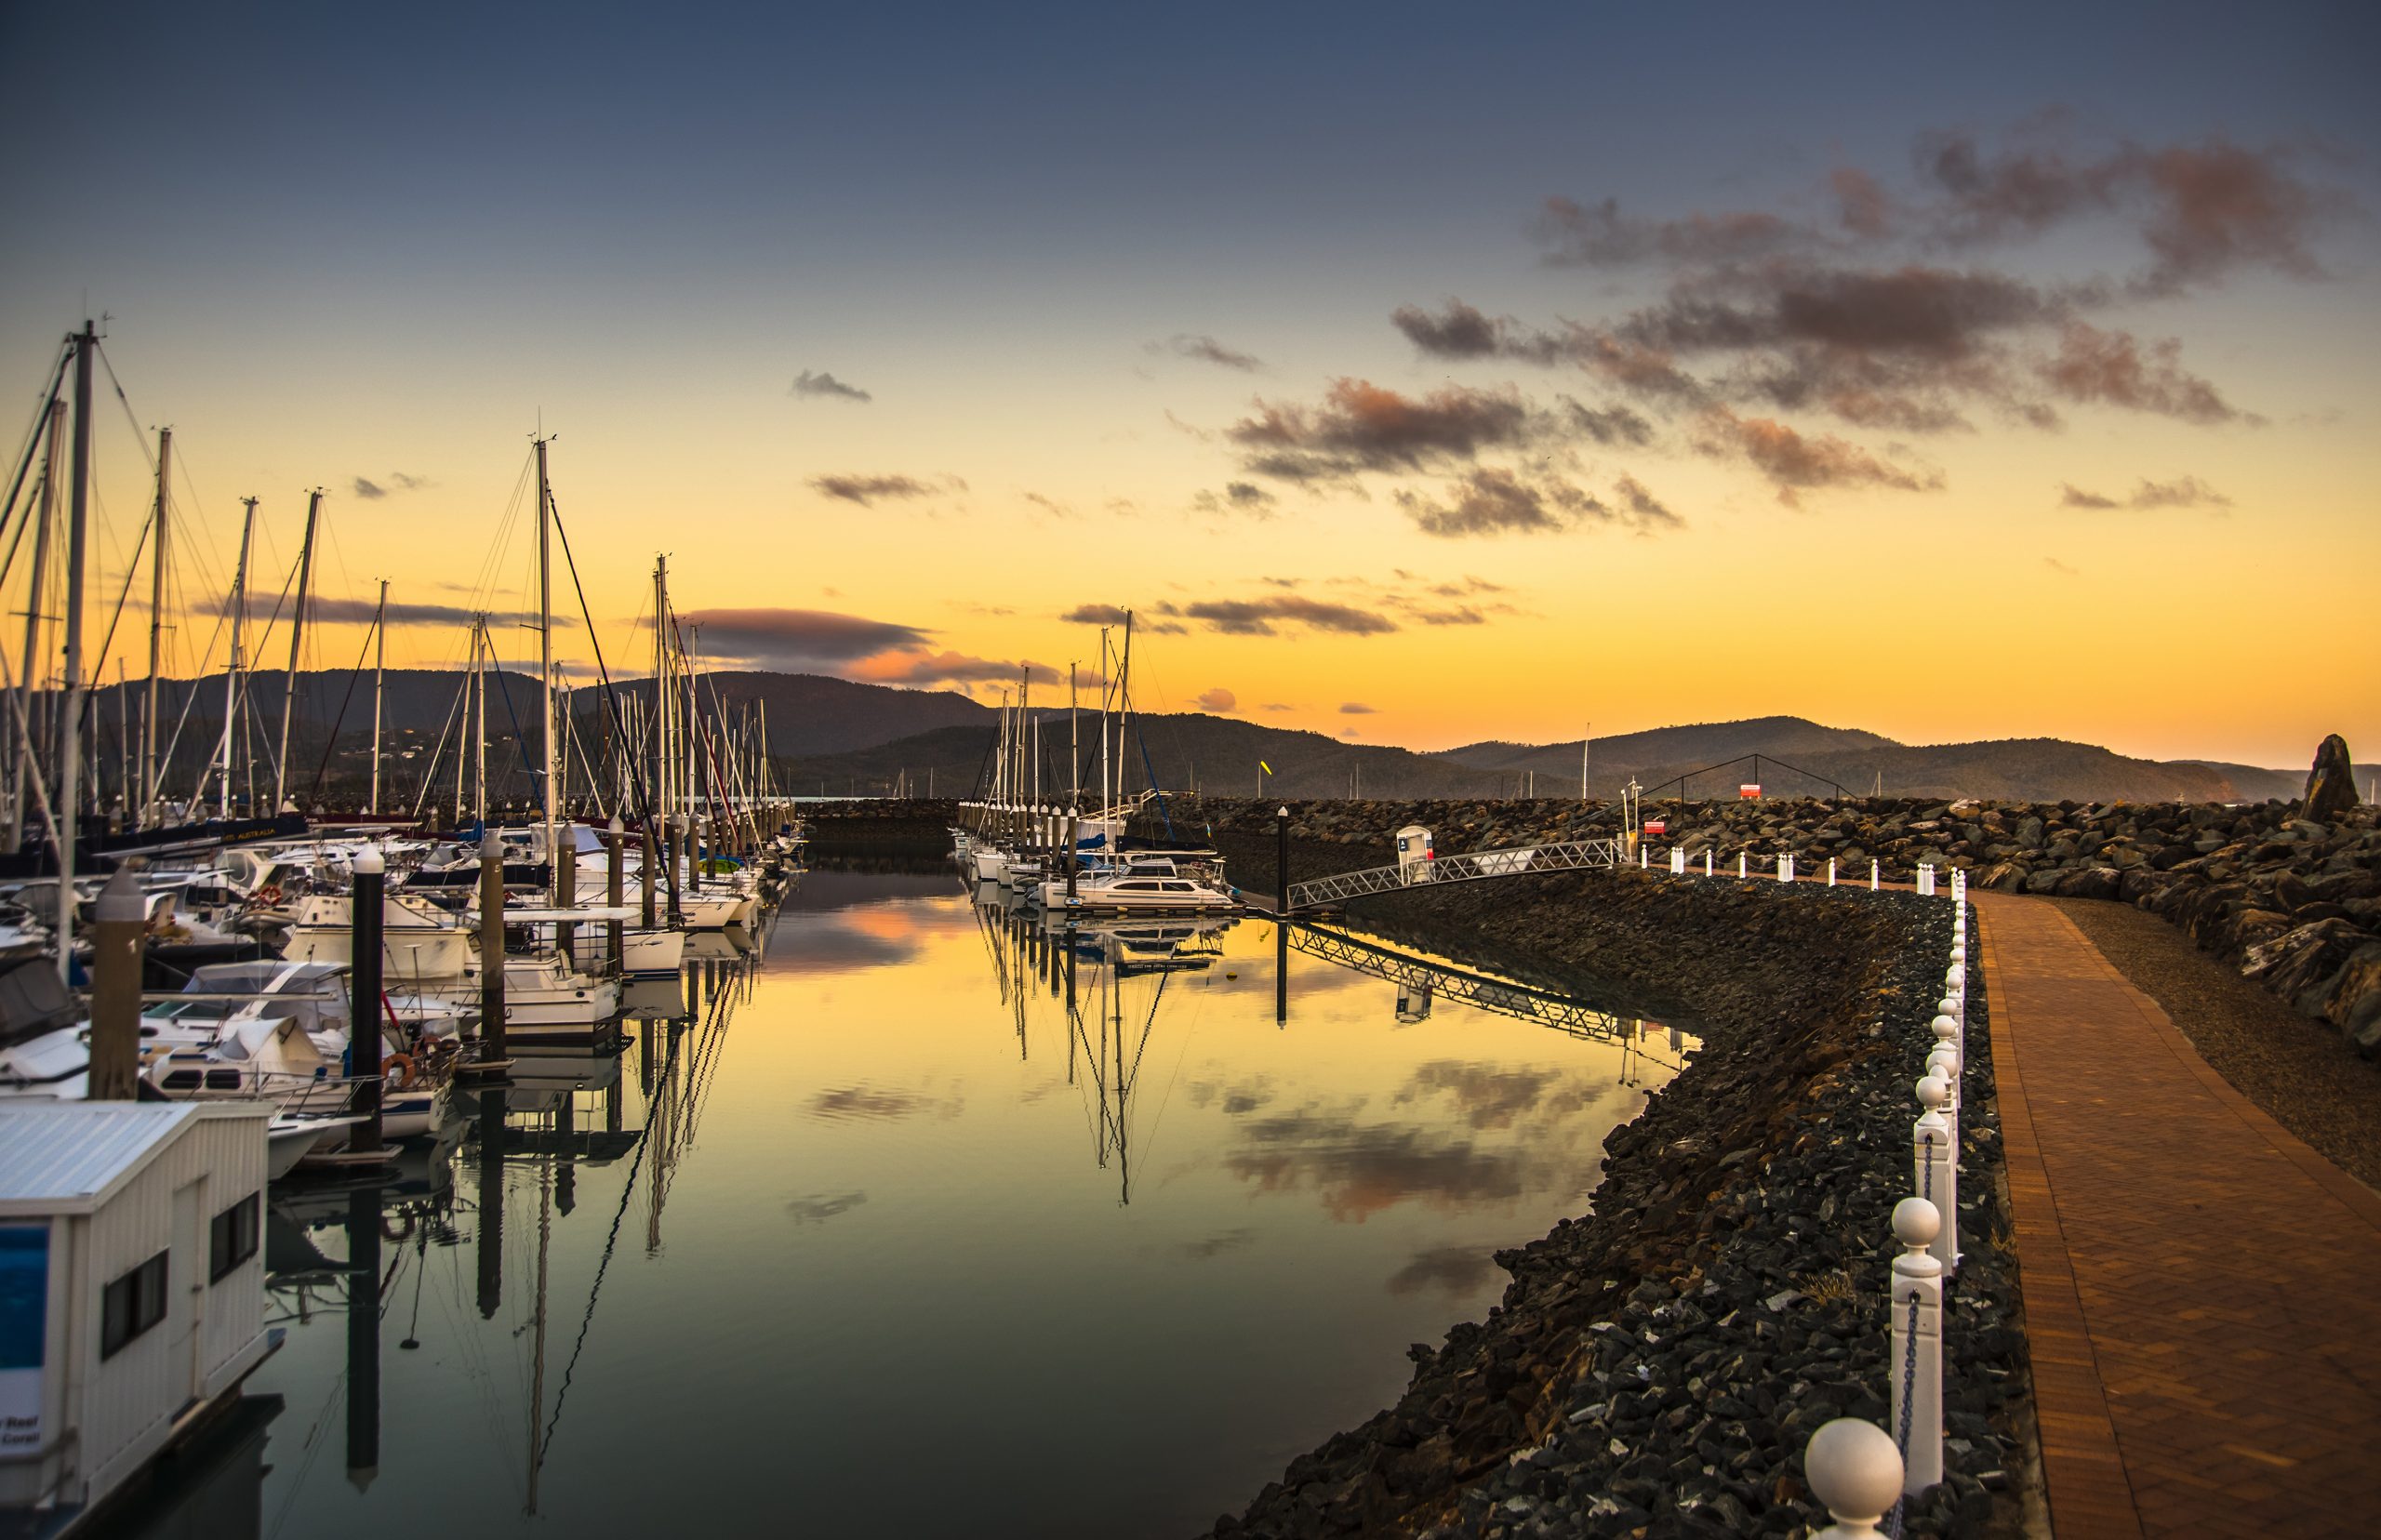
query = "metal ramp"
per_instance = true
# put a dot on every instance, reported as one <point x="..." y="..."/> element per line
<point x="1478" y="865"/>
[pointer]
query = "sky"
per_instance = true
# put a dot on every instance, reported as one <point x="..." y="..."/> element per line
<point x="1413" y="375"/>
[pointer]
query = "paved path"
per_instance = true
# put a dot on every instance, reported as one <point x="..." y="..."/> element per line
<point x="2202" y="1291"/>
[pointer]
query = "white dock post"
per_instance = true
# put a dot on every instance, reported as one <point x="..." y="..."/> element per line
<point x="1706" y="860"/>
<point x="1856" y="1473"/>
<point x="1873" y="876"/>
<point x="1831" y="871"/>
<point x="1644" y="857"/>
<point x="1916" y="1357"/>
<point x="1926" y="878"/>
<point x="1785" y="868"/>
<point x="1677" y="861"/>
<point x="1936" y="1168"/>
<point x="1740" y="866"/>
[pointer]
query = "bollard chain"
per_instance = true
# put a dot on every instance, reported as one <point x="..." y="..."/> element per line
<point x="1909" y="1402"/>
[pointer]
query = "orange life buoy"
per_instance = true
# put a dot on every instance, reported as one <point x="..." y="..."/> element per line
<point x="269" y="893"/>
<point x="401" y="1065"/>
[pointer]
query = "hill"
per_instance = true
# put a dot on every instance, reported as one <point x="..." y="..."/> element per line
<point x="1686" y="748"/>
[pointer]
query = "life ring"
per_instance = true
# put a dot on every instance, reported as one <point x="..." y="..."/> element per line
<point x="266" y="896"/>
<point x="401" y="1065"/>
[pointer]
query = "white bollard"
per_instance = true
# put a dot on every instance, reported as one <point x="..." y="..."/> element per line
<point x="1740" y="866"/>
<point x="1874" y="873"/>
<point x="1644" y="857"/>
<point x="1706" y="860"/>
<point x="1785" y="868"/>
<point x="1936" y="1167"/>
<point x="1916" y="1357"/>
<point x="1926" y="878"/>
<point x="1677" y="861"/>
<point x="1855" y="1472"/>
<point x="1831" y="871"/>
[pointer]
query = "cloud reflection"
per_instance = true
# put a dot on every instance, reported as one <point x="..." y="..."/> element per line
<point x="817" y="1208"/>
<point x="1453" y="1270"/>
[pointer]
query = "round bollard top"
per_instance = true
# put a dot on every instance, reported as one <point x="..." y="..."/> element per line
<point x="1282" y="813"/>
<point x="368" y="862"/>
<point x="616" y="826"/>
<point x="1934" y="1091"/>
<point x="1853" y="1469"/>
<point x="491" y="845"/>
<point x="1915" y="1223"/>
<point x="1944" y="1027"/>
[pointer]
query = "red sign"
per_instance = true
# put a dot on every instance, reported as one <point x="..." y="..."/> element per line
<point x="1656" y="826"/>
<point x="1749" y="791"/>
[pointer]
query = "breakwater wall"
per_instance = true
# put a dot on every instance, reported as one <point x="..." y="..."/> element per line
<point x="1657" y="1364"/>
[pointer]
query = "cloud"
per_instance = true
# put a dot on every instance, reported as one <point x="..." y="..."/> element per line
<point x="919" y="670"/>
<point x="1238" y="497"/>
<point x="827" y="385"/>
<point x="866" y="490"/>
<point x="396" y="481"/>
<point x="1206" y="350"/>
<point x="799" y="638"/>
<point x="1488" y="1096"/>
<point x="1259" y="616"/>
<point x="1048" y="505"/>
<point x="1357" y="707"/>
<point x="1491" y="502"/>
<point x="1611" y="425"/>
<point x="1795" y="463"/>
<point x="817" y="1207"/>
<point x="1094" y="615"/>
<point x="2182" y="492"/>
<point x="1600" y="235"/>
<point x="1360" y="1170"/>
<point x="2112" y="368"/>
<point x="1216" y="699"/>
<point x="1277" y="707"/>
<point x="2058" y="567"/>
<point x="1360" y="426"/>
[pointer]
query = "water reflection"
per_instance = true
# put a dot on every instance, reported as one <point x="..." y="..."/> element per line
<point x="1170" y="1196"/>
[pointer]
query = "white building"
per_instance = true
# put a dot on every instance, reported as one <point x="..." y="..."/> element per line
<point x="131" y="1286"/>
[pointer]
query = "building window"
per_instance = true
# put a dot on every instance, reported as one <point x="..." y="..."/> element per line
<point x="231" y="1237"/>
<point x="131" y="1305"/>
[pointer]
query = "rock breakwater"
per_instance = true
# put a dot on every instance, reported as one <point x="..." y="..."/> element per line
<point x="1657" y="1364"/>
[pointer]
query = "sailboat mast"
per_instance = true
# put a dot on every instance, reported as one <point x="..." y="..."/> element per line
<point x="150" y="778"/>
<point x="379" y="679"/>
<point x="70" y="737"/>
<point x="27" y="762"/>
<point x="481" y="646"/>
<point x="233" y="660"/>
<point x="659" y="729"/>
<point x="297" y="637"/>
<point x="546" y="673"/>
<point x="1074" y="748"/>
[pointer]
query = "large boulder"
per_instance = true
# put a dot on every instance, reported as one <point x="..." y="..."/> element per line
<point x="2292" y="964"/>
<point x="2330" y="785"/>
<point x="2355" y="1004"/>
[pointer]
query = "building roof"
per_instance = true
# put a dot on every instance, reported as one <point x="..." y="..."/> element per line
<point x="66" y="1157"/>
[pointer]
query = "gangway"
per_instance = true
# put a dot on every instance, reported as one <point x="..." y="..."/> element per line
<point x="1477" y="866"/>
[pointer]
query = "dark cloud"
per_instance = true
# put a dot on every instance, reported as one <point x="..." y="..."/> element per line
<point x="1238" y="497"/>
<point x="2182" y="492"/>
<point x="330" y="611"/>
<point x="865" y="490"/>
<point x="1206" y="350"/>
<point x="1048" y="505"/>
<point x="1490" y="501"/>
<point x="1277" y="707"/>
<point x="824" y="384"/>
<point x="2112" y="368"/>
<point x="1259" y="616"/>
<point x="799" y="637"/>
<point x="1356" y="708"/>
<point x="1795" y="463"/>
<point x="1610" y="425"/>
<point x="1094" y="615"/>
<point x="1648" y="510"/>
<point x="1360" y="426"/>
<point x="1457" y="331"/>
<point x="1461" y="614"/>
<point x="817" y="1207"/>
<point x="396" y="481"/>
<point x="1600" y="235"/>
<point x="1453" y="1270"/>
<point x="1487" y="1095"/>
<point x="1216" y="699"/>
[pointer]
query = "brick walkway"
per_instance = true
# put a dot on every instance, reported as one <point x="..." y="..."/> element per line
<point x="2202" y="1291"/>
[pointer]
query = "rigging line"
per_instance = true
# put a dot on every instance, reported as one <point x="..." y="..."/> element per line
<point x="33" y="431"/>
<point x="611" y="698"/>
<point x="628" y="1190"/>
<point x="331" y="741"/>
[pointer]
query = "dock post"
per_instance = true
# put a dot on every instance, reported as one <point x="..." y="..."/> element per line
<point x="117" y="941"/>
<point x="645" y="872"/>
<point x="1740" y="866"/>
<point x="672" y="828"/>
<point x="1916" y="1355"/>
<point x="1075" y="836"/>
<point x="488" y="1230"/>
<point x="1831" y="871"/>
<point x="1281" y="863"/>
<point x="1706" y="860"/>
<point x="1856" y="1473"/>
<point x="363" y="1000"/>
<point x="1873" y="874"/>
<point x="614" y="878"/>
<point x="562" y="864"/>
<point x="491" y="945"/>
<point x="1937" y="1167"/>
<point x="364" y="1335"/>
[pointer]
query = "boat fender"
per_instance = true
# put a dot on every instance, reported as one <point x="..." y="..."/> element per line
<point x="402" y="1066"/>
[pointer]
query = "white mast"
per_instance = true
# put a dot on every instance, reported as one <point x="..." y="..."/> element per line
<point x="1583" y="760"/>
<point x="379" y="677"/>
<point x="25" y="765"/>
<point x="233" y="661"/>
<point x="297" y="636"/>
<point x="546" y="675"/>
<point x="150" y="778"/>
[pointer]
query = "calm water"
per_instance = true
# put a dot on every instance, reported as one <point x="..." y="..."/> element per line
<point x="870" y="1234"/>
